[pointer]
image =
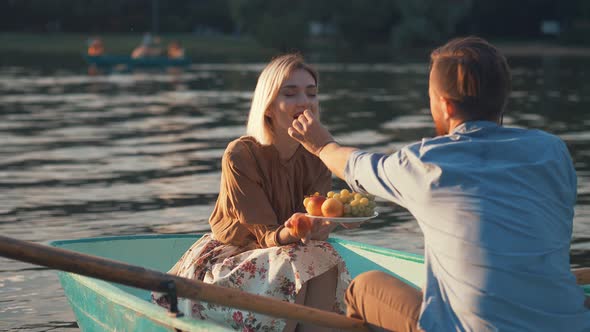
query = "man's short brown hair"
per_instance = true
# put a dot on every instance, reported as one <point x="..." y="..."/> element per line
<point x="473" y="75"/>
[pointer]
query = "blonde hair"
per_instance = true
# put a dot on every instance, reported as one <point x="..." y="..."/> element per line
<point x="267" y="88"/>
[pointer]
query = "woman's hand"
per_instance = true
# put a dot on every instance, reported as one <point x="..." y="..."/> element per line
<point x="321" y="229"/>
<point x="306" y="228"/>
<point x="299" y="225"/>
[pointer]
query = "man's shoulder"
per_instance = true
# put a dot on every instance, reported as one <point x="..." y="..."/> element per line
<point x="499" y="133"/>
<point x="537" y="135"/>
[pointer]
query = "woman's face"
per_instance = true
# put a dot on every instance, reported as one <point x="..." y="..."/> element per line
<point x="297" y="93"/>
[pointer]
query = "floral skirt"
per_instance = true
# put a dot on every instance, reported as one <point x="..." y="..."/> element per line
<point x="278" y="272"/>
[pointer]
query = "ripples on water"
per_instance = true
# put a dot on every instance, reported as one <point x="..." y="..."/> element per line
<point x="138" y="153"/>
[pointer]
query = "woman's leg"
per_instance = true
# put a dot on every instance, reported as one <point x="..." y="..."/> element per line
<point x="299" y="299"/>
<point x="320" y="294"/>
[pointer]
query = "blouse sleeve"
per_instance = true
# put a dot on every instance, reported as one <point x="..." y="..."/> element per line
<point x="246" y="198"/>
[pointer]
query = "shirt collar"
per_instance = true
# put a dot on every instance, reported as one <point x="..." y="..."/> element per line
<point x="472" y="126"/>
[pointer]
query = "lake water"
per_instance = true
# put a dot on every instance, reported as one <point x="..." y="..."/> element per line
<point x="139" y="153"/>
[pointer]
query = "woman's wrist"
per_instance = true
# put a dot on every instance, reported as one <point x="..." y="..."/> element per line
<point x="284" y="236"/>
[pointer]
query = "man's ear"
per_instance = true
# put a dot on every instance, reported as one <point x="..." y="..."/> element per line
<point x="448" y="108"/>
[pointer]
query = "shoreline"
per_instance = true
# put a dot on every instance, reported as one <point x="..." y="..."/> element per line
<point x="541" y="49"/>
<point x="224" y="48"/>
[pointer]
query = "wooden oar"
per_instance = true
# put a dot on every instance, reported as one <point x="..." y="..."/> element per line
<point x="582" y="275"/>
<point x="139" y="277"/>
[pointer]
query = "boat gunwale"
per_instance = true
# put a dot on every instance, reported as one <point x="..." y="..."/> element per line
<point x="417" y="258"/>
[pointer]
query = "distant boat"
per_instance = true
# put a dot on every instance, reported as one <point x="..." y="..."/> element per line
<point x="145" y="62"/>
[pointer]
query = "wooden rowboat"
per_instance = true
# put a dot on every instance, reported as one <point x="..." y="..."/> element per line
<point x="145" y="62"/>
<point x="104" y="306"/>
<point x="100" y="305"/>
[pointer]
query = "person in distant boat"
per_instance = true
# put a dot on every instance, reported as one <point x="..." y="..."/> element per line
<point x="264" y="178"/>
<point x="496" y="206"/>
<point x="143" y="49"/>
<point x="95" y="47"/>
<point x="149" y="47"/>
<point x="155" y="48"/>
<point x="175" y="50"/>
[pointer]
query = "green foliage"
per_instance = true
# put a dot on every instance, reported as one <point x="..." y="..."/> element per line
<point x="361" y="22"/>
<point x="275" y="23"/>
<point x="426" y="22"/>
<point x="415" y="32"/>
<point x="283" y="24"/>
<point x="578" y="29"/>
<point x="122" y="16"/>
<point x="213" y="14"/>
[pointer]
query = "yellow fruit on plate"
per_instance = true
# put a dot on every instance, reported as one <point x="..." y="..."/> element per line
<point x="340" y="203"/>
<point x="314" y="205"/>
<point x="332" y="207"/>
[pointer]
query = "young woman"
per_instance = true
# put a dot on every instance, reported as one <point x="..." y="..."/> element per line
<point x="265" y="176"/>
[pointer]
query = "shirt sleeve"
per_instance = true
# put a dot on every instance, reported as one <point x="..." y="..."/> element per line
<point x="390" y="177"/>
<point x="246" y="198"/>
<point x="266" y="236"/>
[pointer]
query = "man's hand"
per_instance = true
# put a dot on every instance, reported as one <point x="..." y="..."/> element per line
<point x="308" y="131"/>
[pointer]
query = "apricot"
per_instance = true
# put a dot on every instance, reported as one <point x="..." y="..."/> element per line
<point x="332" y="207"/>
<point x="300" y="225"/>
<point x="314" y="205"/>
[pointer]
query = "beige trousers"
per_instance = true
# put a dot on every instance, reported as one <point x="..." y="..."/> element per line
<point x="384" y="302"/>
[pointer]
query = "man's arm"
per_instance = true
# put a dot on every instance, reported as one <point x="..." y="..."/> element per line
<point x="335" y="157"/>
<point x="308" y="131"/>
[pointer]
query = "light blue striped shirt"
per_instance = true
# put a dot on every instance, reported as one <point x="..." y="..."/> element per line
<point x="496" y="207"/>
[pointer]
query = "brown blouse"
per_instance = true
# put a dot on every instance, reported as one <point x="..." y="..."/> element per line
<point x="259" y="192"/>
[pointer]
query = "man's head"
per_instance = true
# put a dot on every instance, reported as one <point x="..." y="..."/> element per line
<point x="469" y="80"/>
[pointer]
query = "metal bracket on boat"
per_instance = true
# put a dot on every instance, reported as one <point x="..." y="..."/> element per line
<point x="170" y="288"/>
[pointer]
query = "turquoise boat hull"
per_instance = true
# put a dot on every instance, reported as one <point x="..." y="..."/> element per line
<point x="104" y="306"/>
<point x="146" y="62"/>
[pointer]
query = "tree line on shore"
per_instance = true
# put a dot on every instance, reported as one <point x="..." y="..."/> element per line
<point x="286" y="24"/>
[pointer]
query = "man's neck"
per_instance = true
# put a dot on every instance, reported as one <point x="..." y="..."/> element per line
<point x="456" y="122"/>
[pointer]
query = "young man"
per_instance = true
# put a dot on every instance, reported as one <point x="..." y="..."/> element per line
<point x="495" y="205"/>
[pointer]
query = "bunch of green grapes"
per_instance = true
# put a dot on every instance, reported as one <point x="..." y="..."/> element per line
<point x="355" y="204"/>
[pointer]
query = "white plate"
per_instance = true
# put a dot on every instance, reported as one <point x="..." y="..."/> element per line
<point x="344" y="219"/>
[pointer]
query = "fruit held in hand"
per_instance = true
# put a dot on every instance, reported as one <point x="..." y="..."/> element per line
<point x="332" y="207"/>
<point x="314" y="205"/>
<point x="300" y="225"/>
